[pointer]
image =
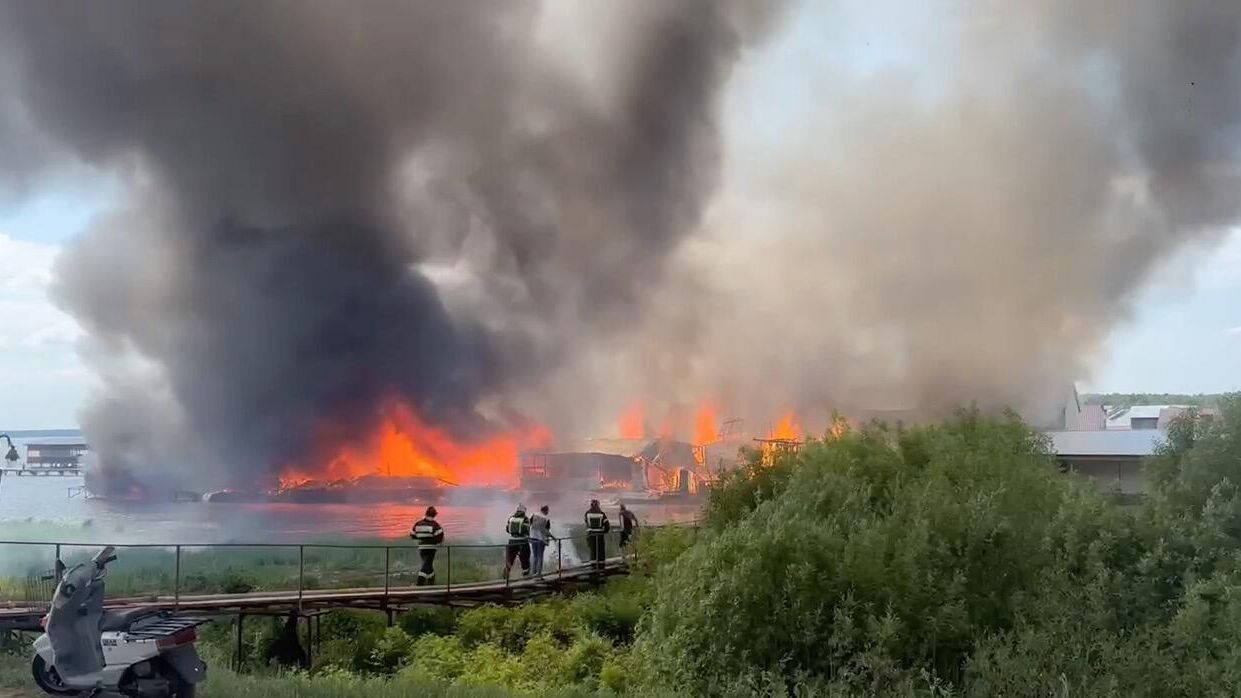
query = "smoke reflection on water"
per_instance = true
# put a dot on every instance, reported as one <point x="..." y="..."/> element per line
<point x="28" y="502"/>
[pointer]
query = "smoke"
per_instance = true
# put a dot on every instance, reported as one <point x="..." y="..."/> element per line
<point x="292" y="165"/>
<point x="539" y="209"/>
<point x="966" y="222"/>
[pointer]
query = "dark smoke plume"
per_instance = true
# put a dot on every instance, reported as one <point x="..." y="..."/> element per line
<point x="476" y="208"/>
<point x="292" y="163"/>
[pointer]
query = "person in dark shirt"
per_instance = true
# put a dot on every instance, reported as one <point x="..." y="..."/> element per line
<point x="629" y="525"/>
<point x="429" y="535"/>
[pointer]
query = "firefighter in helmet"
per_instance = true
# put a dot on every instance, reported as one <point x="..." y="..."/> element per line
<point x="429" y="534"/>
<point x="597" y="526"/>
<point x="518" y="530"/>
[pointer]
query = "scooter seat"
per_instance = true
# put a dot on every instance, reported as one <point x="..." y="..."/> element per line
<point x="121" y="620"/>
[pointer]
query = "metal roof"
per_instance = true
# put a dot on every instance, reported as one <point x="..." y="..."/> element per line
<point x="1111" y="442"/>
<point x="1093" y="418"/>
<point x="1121" y="419"/>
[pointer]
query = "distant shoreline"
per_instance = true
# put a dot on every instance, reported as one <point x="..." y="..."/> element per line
<point x="27" y="433"/>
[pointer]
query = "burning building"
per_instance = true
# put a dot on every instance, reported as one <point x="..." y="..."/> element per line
<point x="620" y="465"/>
<point x="453" y="204"/>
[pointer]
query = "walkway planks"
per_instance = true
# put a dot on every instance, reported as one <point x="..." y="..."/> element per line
<point x="515" y="591"/>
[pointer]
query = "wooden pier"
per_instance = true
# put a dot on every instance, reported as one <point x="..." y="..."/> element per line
<point x="61" y="470"/>
<point x="308" y="602"/>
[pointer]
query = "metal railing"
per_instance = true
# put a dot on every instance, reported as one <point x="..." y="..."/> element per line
<point x="171" y="572"/>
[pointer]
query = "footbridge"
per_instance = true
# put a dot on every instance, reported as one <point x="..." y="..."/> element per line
<point x="303" y="580"/>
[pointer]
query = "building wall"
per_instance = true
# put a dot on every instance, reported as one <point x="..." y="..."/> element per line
<point x="1121" y="475"/>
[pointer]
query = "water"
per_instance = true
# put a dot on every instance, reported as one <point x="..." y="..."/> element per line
<point x="28" y="503"/>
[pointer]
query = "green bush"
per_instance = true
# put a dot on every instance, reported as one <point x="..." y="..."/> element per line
<point x="873" y="556"/>
<point x="583" y="662"/>
<point x="612" y="616"/>
<point x="437" y="657"/>
<point x="391" y="651"/>
<point x="435" y="620"/>
<point x="511" y="628"/>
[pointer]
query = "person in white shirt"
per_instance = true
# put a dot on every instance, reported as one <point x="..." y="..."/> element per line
<point x="540" y="534"/>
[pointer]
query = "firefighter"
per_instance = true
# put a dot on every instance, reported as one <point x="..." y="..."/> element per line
<point x="429" y="534"/>
<point x="597" y="526"/>
<point x="518" y="530"/>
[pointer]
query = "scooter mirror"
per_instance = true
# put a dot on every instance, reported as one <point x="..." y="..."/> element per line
<point x="104" y="556"/>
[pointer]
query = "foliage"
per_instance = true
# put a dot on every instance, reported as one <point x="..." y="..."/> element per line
<point x="611" y="616"/>
<point x="434" y="620"/>
<point x="935" y="561"/>
<point x="954" y="559"/>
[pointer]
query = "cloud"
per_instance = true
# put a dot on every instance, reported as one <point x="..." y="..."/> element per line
<point x="1222" y="269"/>
<point x="28" y="319"/>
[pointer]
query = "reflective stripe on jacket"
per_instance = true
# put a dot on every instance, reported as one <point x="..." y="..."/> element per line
<point x="518" y="527"/>
<point x="427" y="532"/>
<point x="597" y="522"/>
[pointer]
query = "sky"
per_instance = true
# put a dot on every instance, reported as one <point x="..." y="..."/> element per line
<point x="1185" y="335"/>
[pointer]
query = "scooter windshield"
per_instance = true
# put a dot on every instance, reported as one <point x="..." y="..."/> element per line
<point x="73" y="625"/>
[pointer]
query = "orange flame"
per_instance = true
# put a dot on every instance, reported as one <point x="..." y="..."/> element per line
<point x="787" y="427"/>
<point x="402" y="444"/>
<point x="631" y="422"/>
<point x="704" y="425"/>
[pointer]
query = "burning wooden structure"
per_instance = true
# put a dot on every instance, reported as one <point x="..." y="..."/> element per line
<point x="622" y="465"/>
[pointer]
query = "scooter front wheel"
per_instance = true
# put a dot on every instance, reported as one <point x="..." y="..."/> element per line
<point x="46" y="678"/>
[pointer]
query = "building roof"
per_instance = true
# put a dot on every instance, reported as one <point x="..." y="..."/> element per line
<point x="1168" y="414"/>
<point x="1120" y="420"/>
<point x="49" y="441"/>
<point x="1093" y="418"/>
<point x="1112" y="442"/>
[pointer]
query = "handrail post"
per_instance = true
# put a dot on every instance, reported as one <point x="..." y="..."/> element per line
<point x="449" y="575"/>
<point x="559" y="561"/>
<point x="301" y="575"/>
<point x="387" y="573"/>
<point x="176" y="581"/>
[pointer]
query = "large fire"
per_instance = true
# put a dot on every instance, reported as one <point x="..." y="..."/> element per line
<point x="402" y="444"/>
<point x="698" y="425"/>
<point x="787" y="427"/>
<point x="704" y="425"/>
<point x="632" y="425"/>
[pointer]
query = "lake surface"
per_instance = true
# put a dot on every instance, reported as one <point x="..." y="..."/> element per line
<point x="26" y="503"/>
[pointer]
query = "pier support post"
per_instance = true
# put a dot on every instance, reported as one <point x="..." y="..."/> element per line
<point x="240" y="619"/>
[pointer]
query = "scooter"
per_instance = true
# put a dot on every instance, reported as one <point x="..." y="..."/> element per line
<point x="86" y="650"/>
